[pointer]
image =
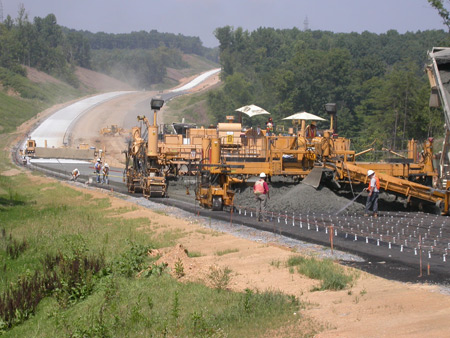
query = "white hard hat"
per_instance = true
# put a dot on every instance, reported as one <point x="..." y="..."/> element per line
<point x="370" y="172"/>
<point x="262" y="175"/>
<point x="106" y="165"/>
<point x="76" y="169"/>
<point x="98" y="160"/>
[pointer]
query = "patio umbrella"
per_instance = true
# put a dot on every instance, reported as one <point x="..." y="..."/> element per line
<point x="251" y="110"/>
<point x="304" y="116"/>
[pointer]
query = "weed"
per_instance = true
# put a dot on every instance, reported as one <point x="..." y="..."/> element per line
<point x="179" y="268"/>
<point x="193" y="254"/>
<point x="131" y="261"/>
<point x="275" y="263"/>
<point x="176" y="306"/>
<point x="333" y="276"/>
<point x="363" y="292"/>
<point x="225" y="252"/>
<point x="246" y="304"/>
<point x="14" y="247"/>
<point x="218" y="277"/>
<point x="160" y="212"/>
<point x="155" y="270"/>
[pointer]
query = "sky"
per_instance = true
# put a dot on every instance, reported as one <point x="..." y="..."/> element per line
<point x="201" y="17"/>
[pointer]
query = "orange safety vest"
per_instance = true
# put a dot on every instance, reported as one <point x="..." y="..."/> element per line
<point x="377" y="183"/>
<point x="258" y="189"/>
<point x="311" y="131"/>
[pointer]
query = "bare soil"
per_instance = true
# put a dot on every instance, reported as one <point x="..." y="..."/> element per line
<point x="372" y="307"/>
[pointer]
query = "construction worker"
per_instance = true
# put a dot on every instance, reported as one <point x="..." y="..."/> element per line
<point x="261" y="191"/>
<point x="105" y="172"/>
<point x="75" y="174"/>
<point x="269" y="127"/>
<point x="311" y="130"/>
<point x="98" y="169"/>
<point x="374" y="190"/>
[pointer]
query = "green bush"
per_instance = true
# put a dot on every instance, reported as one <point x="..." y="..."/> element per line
<point x="333" y="276"/>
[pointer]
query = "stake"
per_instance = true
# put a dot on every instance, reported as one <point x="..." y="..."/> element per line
<point x="420" y="256"/>
<point x="231" y="215"/>
<point x="331" y="238"/>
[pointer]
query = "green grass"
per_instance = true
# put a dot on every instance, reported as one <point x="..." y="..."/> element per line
<point x="191" y="107"/>
<point x="30" y="98"/>
<point x="332" y="275"/>
<point x="225" y="252"/>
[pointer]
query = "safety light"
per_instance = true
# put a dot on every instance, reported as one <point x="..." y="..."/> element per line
<point x="156" y="104"/>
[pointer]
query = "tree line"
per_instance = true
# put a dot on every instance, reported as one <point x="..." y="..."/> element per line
<point x="139" y="58"/>
<point x="377" y="80"/>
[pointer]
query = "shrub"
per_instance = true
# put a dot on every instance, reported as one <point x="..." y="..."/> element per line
<point x="218" y="277"/>
<point x="332" y="275"/>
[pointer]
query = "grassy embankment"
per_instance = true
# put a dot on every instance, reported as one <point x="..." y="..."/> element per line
<point x="26" y="99"/>
<point x="69" y="266"/>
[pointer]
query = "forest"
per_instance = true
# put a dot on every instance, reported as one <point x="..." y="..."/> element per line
<point x="139" y="58"/>
<point x="377" y="80"/>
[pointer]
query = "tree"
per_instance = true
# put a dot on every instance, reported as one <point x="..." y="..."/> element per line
<point x="443" y="12"/>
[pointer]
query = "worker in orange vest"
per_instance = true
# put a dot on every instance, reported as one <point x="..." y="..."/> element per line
<point x="311" y="130"/>
<point x="269" y="127"/>
<point x="374" y="190"/>
<point x="261" y="191"/>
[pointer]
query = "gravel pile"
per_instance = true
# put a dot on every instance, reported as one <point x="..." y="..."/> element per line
<point x="300" y="198"/>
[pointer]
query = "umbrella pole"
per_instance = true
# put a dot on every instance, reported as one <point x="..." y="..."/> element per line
<point x="302" y="130"/>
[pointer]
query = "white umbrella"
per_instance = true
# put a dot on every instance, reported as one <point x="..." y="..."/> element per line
<point x="304" y="116"/>
<point x="252" y="110"/>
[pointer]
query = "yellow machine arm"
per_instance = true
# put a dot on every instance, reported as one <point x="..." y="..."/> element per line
<point x="404" y="187"/>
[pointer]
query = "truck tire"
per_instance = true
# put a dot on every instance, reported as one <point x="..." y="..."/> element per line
<point x="217" y="203"/>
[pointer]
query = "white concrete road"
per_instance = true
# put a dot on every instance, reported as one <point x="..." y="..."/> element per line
<point x="54" y="128"/>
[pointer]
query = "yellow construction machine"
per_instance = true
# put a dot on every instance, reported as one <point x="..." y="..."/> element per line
<point x="112" y="130"/>
<point x="225" y="155"/>
<point x="30" y="148"/>
<point x="143" y="171"/>
<point x="228" y="159"/>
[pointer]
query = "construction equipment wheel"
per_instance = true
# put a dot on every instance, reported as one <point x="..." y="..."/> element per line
<point x="217" y="203"/>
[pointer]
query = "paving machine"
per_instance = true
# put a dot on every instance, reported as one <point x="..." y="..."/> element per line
<point x="225" y="155"/>
<point x="227" y="160"/>
<point x="143" y="170"/>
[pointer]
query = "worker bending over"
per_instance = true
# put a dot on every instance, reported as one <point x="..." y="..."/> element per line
<point x="75" y="174"/>
<point x="374" y="190"/>
<point x="105" y="172"/>
<point x="261" y="191"/>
